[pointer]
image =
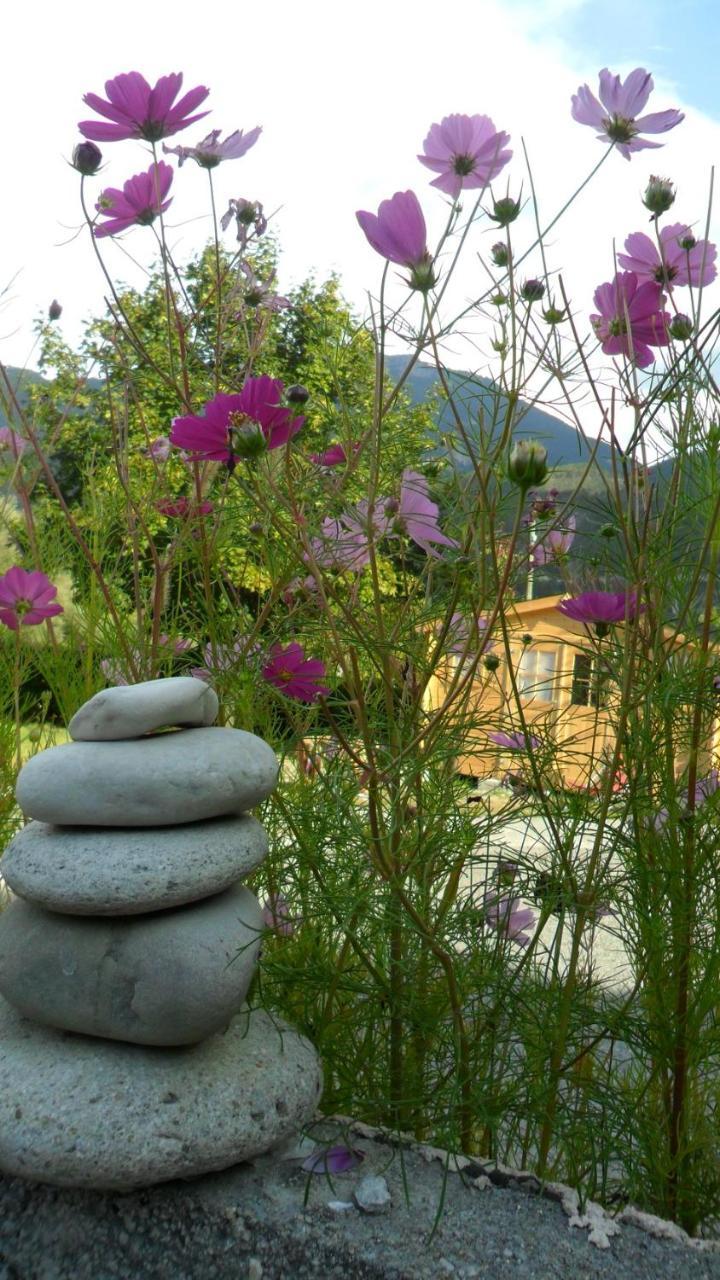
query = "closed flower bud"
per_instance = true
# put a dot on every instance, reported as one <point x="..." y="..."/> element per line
<point x="527" y="464"/>
<point x="297" y="394"/>
<point x="532" y="290"/>
<point x="526" y="638"/>
<point x="87" y="158"/>
<point x="392" y="506"/>
<point x="500" y="254"/>
<point x="554" y="315"/>
<point x="505" y="211"/>
<point x="255" y="529"/>
<point x="608" y="531"/>
<point x="248" y="441"/>
<point x="659" y="195"/>
<point x="54" y="310"/>
<point x="681" y="327"/>
<point x="498" y="299"/>
<point x="491" y="662"/>
<point x="688" y="242"/>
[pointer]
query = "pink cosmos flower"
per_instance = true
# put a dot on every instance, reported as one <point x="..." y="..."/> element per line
<point x="210" y="152"/>
<point x="333" y="1160"/>
<point x="466" y="151"/>
<point x="137" y="111"/>
<point x="10" y="439"/>
<point x="419" y="515"/>
<point x="398" y="232"/>
<point x="334" y="456"/>
<point x="515" y="741"/>
<point x="159" y="449"/>
<point x="616" y="115"/>
<point x="680" y="260"/>
<point x="460" y="631"/>
<point x="553" y="545"/>
<point x="222" y="658"/>
<point x="630" y="320"/>
<point x="295" y="675"/>
<point x="139" y="203"/>
<point x="508" y="917"/>
<point x="230" y="422"/>
<point x="601" y="608"/>
<point x="276" y="915"/>
<point x="342" y="544"/>
<point x="26" y="598"/>
<point x="260" y="293"/>
<point x="183" y="507"/>
<point x="247" y="214"/>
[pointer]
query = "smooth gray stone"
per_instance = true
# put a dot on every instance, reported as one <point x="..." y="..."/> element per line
<point x="78" y="1112"/>
<point x="150" y="782"/>
<point x="173" y="977"/>
<point x="129" y="711"/>
<point x="112" y="871"/>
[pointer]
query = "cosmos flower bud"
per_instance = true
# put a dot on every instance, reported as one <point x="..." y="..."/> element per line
<point x="249" y="441"/>
<point x="87" y="158"/>
<point x="532" y="290"/>
<point x="554" y="315"/>
<point x="54" y="310"/>
<point x="681" y="327"/>
<point x="491" y="662"/>
<point x="527" y="464"/>
<point x="526" y="638"/>
<point x="505" y="211"/>
<point x="499" y="299"/>
<point x="500" y="254"/>
<point x="659" y="195"/>
<point x="688" y="242"/>
<point x="392" y="506"/>
<point x="297" y="394"/>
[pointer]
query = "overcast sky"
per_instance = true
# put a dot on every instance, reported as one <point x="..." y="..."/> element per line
<point x="345" y="94"/>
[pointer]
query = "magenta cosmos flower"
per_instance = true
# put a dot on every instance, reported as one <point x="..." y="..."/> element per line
<point x="466" y="151"/>
<point x="234" y="425"/>
<point x="10" y="439"/>
<point x="601" y="609"/>
<point x="138" y="204"/>
<point x="680" y="260"/>
<point x="515" y="741"/>
<point x="276" y="915"/>
<point x="418" y="515"/>
<point x="333" y="1160"/>
<point x="334" y="456"/>
<point x="629" y="318"/>
<point x="616" y="116"/>
<point x="295" y="675"/>
<point x="183" y="507"/>
<point x="134" y="110"/>
<point x="398" y="232"/>
<point x="510" y="918"/>
<point x="210" y="152"/>
<point x="553" y="545"/>
<point x="26" y="598"/>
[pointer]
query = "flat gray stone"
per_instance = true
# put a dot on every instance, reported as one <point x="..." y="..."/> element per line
<point x="110" y="871"/>
<point x="129" y="711"/>
<point x="173" y="977"/>
<point x="78" y="1112"/>
<point x="150" y="782"/>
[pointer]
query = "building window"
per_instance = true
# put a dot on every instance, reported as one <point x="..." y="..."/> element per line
<point x="535" y="674"/>
<point x="585" y="691"/>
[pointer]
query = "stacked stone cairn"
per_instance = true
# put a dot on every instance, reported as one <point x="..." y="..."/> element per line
<point x="127" y="1054"/>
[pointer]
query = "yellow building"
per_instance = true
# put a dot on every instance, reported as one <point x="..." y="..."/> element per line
<point x="559" y="693"/>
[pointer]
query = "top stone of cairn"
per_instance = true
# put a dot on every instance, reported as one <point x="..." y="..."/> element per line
<point x="130" y="711"/>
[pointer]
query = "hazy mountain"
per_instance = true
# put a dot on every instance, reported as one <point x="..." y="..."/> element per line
<point x="475" y="395"/>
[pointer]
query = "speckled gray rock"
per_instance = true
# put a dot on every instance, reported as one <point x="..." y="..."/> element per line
<point x="169" y="978"/>
<point x="79" y="1112"/>
<point x="109" y="871"/>
<point x="129" y="711"/>
<point x="150" y="782"/>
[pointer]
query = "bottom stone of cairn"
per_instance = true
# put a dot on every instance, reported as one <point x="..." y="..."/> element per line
<point x="82" y="1112"/>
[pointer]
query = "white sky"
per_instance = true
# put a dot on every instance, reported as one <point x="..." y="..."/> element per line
<point x="345" y="93"/>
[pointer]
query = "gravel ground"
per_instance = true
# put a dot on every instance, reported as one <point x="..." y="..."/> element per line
<point x="252" y="1222"/>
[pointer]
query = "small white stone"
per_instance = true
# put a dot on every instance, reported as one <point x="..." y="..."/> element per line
<point x="129" y="711"/>
<point x="372" y="1194"/>
<point x="149" y="782"/>
<point x="340" y="1206"/>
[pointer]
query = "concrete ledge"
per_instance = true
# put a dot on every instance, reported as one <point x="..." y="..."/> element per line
<point x="269" y="1221"/>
